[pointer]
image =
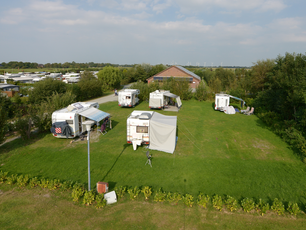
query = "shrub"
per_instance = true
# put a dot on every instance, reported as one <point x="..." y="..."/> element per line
<point x="217" y="202"/>
<point x="101" y="202"/>
<point x="201" y="92"/>
<point x="278" y="207"/>
<point x="33" y="182"/>
<point x="133" y="192"/>
<point x="160" y="196"/>
<point x="54" y="184"/>
<point x="11" y="179"/>
<point x="3" y="177"/>
<point x="293" y="209"/>
<point x="146" y="190"/>
<point x="247" y="204"/>
<point x="262" y="207"/>
<point x="77" y="192"/>
<point x="231" y="203"/>
<point x="188" y="200"/>
<point x="22" y="181"/>
<point x="120" y="191"/>
<point x="174" y="198"/>
<point x="89" y="197"/>
<point x="44" y="183"/>
<point x="203" y="200"/>
<point x="67" y="185"/>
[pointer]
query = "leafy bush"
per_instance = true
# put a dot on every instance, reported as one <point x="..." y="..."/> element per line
<point x="133" y="192"/>
<point x="201" y="92"/>
<point x="77" y="192"/>
<point x="3" y="177"/>
<point x="89" y="197"/>
<point x="120" y="191"/>
<point x="203" y="200"/>
<point x="67" y="185"/>
<point x="160" y="196"/>
<point x="231" y="203"/>
<point x="262" y="207"/>
<point x="44" y="183"/>
<point x="278" y="207"/>
<point x="54" y="184"/>
<point x="22" y="181"/>
<point x="33" y="182"/>
<point x="147" y="192"/>
<point x="293" y="208"/>
<point x="188" y="200"/>
<point x="217" y="202"/>
<point x="11" y="179"/>
<point x="174" y="198"/>
<point x="248" y="204"/>
<point x="101" y="202"/>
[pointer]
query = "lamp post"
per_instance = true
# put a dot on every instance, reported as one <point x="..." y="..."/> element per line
<point x="88" y="128"/>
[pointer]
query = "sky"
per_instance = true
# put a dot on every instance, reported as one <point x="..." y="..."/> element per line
<point x="173" y="32"/>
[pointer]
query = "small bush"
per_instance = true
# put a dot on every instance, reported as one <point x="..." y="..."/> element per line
<point x="11" y="179"/>
<point x="160" y="196"/>
<point x="101" y="202"/>
<point x="89" y="197"/>
<point x="217" y="202"/>
<point x="22" y="181"/>
<point x="120" y="191"/>
<point x="174" y="198"/>
<point x="203" y="200"/>
<point x="67" y="185"/>
<point x="231" y="203"/>
<point x="247" y="204"/>
<point x="77" y="192"/>
<point x="188" y="200"/>
<point x="278" y="207"/>
<point x="54" y="184"/>
<point x="293" y="208"/>
<point x="44" y="183"/>
<point x="262" y="207"/>
<point x="3" y="177"/>
<point x="33" y="182"/>
<point x="133" y="192"/>
<point x="147" y="192"/>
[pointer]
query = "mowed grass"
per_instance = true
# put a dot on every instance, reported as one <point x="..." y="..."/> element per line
<point x="216" y="153"/>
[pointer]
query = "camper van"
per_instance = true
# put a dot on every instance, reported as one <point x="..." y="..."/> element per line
<point x="69" y="122"/>
<point x="128" y="97"/>
<point x="221" y="100"/>
<point x="153" y="129"/>
<point x="160" y="99"/>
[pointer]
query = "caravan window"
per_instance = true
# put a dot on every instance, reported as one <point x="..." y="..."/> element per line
<point x="128" y="97"/>
<point x="69" y="121"/>
<point x="141" y="129"/>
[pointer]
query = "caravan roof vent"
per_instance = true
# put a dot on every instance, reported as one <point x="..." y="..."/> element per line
<point x="145" y="116"/>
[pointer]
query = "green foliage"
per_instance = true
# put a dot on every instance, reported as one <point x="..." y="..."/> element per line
<point x="217" y="202"/>
<point x="44" y="183"/>
<point x="110" y="77"/>
<point x="201" y="92"/>
<point x="174" y="198"/>
<point x="88" y="87"/>
<point x="89" y="197"/>
<point x="179" y="87"/>
<point x="3" y="118"/>
<point x="22" y="181"/>
<point x="231" y="203"/>
<point x="203" y="200"/>
<point x="278" y="207"/>
<point x="54" y="184"/>
<point x="160" y="196"/>
<point x="147" y="192"/>
<point x="77" y="192"/>
<point x="67" y="185"/>
<point x="101" y="202"/>
<point x="133" y="192"/>
<point x="293" y="208"/>
<point x="247" y="204"/>
<point x="34" y="182"/>
<point x="120" y="191"/>
<point x="188" y="200"/>
<point x="262" y="207"/>
<point x="3" y="177"/>
<point x="12" y="179"/>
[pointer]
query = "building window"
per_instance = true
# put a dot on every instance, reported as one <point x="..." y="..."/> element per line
<point x="141" y="129"/>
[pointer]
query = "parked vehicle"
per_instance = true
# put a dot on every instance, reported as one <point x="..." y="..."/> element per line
<point x="223" y="100"/>
<point x="128" y="97"/>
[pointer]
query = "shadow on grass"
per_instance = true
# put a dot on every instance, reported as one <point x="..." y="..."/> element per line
<point x="114" y="123"/>
<point x="19" y="142"/>
<point x="124" y="147"/>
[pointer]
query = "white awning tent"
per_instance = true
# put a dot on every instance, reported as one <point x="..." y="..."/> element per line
<point x="229" y="110"/>
<point x="94" y="114"/>
<point x="178" y="99"/>
<point x="163" y="133"/>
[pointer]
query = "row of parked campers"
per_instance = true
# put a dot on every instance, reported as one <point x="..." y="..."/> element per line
<point x="159" y="99"/>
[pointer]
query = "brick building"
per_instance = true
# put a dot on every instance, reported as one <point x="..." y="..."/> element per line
<point x="177" y="72"/>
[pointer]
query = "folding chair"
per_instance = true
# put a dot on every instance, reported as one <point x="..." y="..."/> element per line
<point x="149" y="159"/>
<point x="102" y="129"/>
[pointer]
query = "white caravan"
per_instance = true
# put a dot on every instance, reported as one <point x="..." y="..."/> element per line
<point x="223" y="100"/>
<point x="128" y="97"/>
<point x="71" y="77"/>
<point x="69" y="122"/>
<point x="153" y="129"/>
<point x="160" y="99"/>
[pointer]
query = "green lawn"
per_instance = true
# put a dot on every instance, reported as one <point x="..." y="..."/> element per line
<point x="216" y="153"/>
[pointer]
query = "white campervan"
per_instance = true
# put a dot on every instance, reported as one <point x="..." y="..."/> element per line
<point x="221" y="100"/>
<point x="153" y="129"/>
<point x="128" y="97"/>
<point x="68" y="122"/>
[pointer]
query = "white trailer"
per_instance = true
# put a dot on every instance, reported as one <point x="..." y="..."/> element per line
<point x="68" y="122"/>
<point x="153" y="129"/>
<point x="160" y="99"/>
<point x="128" y="97"/>
<point x="223" y="100"/>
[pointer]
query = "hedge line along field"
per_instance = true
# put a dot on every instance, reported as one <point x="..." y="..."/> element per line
<point x="234" y="155"/>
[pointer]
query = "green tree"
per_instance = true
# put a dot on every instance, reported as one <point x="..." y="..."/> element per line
<point x="88" y="87"/>
<point x="260" y="73"/>
<point x="3" y="119"/>
<point x="110" y="77"/>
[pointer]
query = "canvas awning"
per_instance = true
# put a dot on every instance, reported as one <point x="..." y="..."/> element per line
<point x="170" y="95"/>
<point x="178" y="99"/>
<point x="163" y="132"/>
<point x="94" y="114"/>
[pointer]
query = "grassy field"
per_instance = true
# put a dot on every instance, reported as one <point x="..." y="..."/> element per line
<point x="216" y="154"/>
